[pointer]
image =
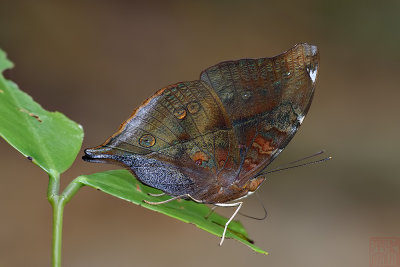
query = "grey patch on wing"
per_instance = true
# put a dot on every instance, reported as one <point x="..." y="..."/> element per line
<point x="161" y="175"/>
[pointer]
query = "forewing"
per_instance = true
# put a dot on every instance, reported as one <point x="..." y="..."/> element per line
<point x="266" y="100"/>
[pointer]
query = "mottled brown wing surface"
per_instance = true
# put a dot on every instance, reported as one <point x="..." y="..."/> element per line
<point x="266" y="100"/>
<point x="211" y="137"/>
<point x="171" y="140"/>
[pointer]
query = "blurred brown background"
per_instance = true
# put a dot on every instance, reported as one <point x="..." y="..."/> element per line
<point x="96" y="61"/>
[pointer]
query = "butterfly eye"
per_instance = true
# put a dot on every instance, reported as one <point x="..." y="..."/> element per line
<point x="147" y="140"/>
<point x="193" y="107"/>
<point x="180" y="113"/>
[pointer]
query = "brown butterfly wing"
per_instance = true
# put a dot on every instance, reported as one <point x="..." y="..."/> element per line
<point x="209" y="138"/>
<point x="171" y="141"/>
<point x="266" y="100"/>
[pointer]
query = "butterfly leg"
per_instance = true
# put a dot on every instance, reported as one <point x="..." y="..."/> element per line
<point x="257" y="218"/>
<point x="239" y="205"/>
<point x="156" y="195"/>
<point x="171" y="199"/>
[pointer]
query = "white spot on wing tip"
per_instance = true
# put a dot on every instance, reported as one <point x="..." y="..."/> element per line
<point x="313" y="74"/>
<point x="300" y="119"/>
<point x="314" y="50"/>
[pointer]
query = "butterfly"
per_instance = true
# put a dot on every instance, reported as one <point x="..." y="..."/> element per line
<point x="210" y="140"/>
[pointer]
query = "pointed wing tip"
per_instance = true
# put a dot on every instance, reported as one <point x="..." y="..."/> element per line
<point x="313" y="49"/>
<point x="96" y="154"/>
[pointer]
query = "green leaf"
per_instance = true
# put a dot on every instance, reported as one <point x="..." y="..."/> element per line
<point x="4" y="62"/>
<point x="50" y="139"/>
<point x="121" y="184"/>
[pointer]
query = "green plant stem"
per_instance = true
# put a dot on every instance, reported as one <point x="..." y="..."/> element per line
<point x="58" y="210"/>
<point x="58" y="202"/>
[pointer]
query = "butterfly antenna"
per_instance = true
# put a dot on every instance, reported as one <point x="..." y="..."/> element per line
<point x="298" y="160"/>
<point x="296" y="166"/>
<point x="257" y="218"/>
<point x="301" y="159"/>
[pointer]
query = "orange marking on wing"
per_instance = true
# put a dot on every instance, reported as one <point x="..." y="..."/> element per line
<point x="199" y="157"/>
<point x="263" y="145"/>
<point x="253" y="184"/>
<point x="249" y="164"/>
<point x="221" y="156"/>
